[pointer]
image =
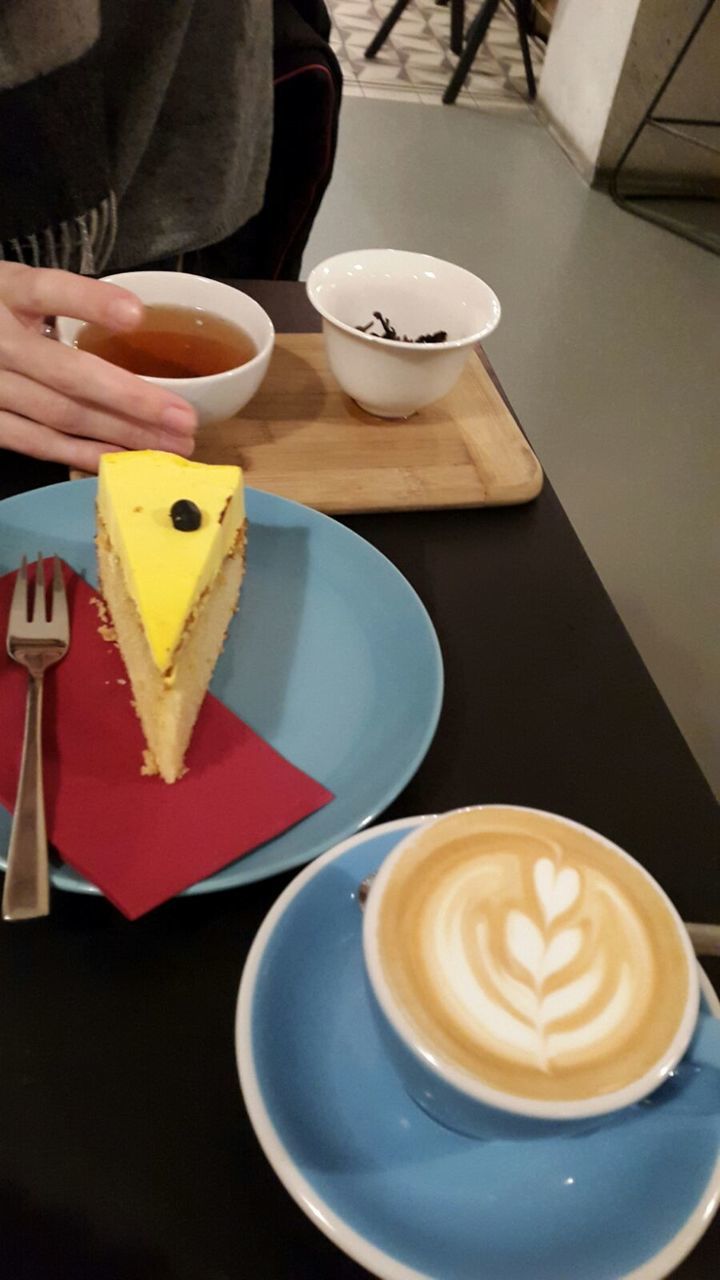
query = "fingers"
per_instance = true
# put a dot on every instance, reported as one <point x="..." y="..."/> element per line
<point x="41" y="291"/>
<point x="85" y="377"/>
<point x="38" y="441"/>
<point x="115" y="395"/>
<point x="28" y="399"/>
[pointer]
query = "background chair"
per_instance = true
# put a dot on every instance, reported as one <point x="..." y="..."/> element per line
<point x="466" y="47"/>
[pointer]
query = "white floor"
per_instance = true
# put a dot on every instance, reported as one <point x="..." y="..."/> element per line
<point x="608" y="349"/>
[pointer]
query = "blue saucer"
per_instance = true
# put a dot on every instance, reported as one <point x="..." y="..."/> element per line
<point x="331" y="657"/>
<point x="400" y="1194"/>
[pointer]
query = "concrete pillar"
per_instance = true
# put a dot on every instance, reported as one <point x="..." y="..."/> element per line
<point x="605" y="61"/>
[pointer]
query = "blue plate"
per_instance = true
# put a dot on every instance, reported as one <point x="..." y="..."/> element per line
<point x="331" y="658"/>
<point x="409" y="1199"/>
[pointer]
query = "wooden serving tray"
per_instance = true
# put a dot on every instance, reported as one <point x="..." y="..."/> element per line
<point x="301" y="437"/>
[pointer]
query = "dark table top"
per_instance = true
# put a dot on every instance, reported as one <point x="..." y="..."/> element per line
<point x="125" y="1150"/>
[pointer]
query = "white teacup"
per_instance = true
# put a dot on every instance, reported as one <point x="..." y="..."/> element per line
<point x="419" y="295"/>
<point x="525" y="969"/>
<point x="218" y="395"/>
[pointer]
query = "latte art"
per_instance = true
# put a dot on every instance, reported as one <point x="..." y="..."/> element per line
<point x="530" y="954"/>
<point x="548" y="979"/>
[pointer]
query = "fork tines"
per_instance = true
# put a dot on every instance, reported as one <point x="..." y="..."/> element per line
<point x="59" y="596"/>
<point x="29" y="608"/>
<point x="39" y="607"/>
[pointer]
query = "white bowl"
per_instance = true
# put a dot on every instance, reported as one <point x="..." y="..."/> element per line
<point x="218" y="395"/>
<point x="418" y="294"/>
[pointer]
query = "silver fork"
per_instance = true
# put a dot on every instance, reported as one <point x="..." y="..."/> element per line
<point x="36" y="644"/>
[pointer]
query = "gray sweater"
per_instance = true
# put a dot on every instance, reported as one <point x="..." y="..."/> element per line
<point x="186" y="88"/>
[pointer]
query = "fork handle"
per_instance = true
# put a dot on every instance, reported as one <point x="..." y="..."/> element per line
<point x="26" y="893"/>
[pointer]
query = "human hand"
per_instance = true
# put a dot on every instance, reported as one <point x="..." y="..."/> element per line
<point x="68" y="406"/>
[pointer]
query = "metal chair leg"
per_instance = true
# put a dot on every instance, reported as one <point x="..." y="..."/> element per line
<point x="457" y="25"/>
<point x="475" y="36"/>
<point x="378" y="41"/>
<point x="522" y="17"/>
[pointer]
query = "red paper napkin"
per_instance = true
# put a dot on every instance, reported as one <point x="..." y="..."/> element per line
<point x="137" y="838"/>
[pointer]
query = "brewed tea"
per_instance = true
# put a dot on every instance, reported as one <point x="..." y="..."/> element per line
<point x="172" y="342"/>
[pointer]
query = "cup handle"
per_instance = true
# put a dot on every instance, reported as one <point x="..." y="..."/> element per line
<point x="704" y="1047"/>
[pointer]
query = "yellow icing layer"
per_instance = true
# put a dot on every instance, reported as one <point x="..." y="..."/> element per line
<point x="166" y="571"/>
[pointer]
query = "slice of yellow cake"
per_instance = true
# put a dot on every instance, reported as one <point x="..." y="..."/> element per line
<point x="171" y="555"/>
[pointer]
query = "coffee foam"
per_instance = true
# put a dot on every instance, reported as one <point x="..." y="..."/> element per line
<point x="529" y="953"/>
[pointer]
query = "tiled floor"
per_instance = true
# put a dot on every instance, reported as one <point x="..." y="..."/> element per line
<point x="415" y="63"/>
